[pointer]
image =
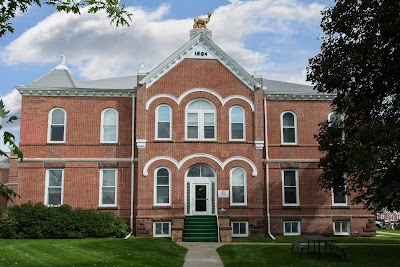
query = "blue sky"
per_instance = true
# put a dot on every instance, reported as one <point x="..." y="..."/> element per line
<point x="276" y="37"/>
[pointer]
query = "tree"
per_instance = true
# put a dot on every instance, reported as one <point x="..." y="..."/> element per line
<point x="359" y="61"/>
<point x="116" y="13"/>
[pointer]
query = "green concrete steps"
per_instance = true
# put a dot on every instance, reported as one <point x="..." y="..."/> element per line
<point x="200" y="229"/>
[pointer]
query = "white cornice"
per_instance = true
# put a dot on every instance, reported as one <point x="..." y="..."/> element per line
<point x="202" y="42"/>
<point x="298" y="96"/>
<point x="51" y="91"/>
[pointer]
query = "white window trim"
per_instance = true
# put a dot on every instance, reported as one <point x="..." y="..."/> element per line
<point x="291" y="234"/>
<point x="169" y="187"/>
<point x="161" y="235"/>
<point x="240" y="235"/>
<point x="102" y="127"/>
<point x="170" y="122"/>
<point x="295" y="128"/>
<point x="297" y="188"/>
<point x="46" y="194"/>
<point x="101" y="188"/>
<point x="200" y="128"/>
<point x="230" y="123"/>
<point x="245" y="187"/>
<point x="50" y="116"/>
<point x="341" y="233"/>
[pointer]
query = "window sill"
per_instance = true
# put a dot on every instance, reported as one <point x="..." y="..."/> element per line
<point x="158" y="207"/>
<point x="340" y="207"/>
<point x="56" y="143"/>
<point x="289" y="145"/>
<point x="237" y="206"/>
<point x="163" y="141"/>
<point x="291" y="207"/>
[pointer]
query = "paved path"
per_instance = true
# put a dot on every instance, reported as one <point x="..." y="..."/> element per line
<point x="387" y="233"/>
<point x="202" y="254"/>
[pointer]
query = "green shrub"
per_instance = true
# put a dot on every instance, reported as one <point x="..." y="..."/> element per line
<point x="39" y="221"/>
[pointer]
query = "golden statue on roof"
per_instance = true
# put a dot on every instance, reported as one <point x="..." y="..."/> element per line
<point x="201" y="23"/>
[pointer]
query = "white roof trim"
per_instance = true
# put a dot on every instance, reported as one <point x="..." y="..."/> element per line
<point x="201" y="41"/>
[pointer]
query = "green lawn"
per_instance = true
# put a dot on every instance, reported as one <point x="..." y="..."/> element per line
<point x="277" y="255"/>
<point x="91" y="252"/>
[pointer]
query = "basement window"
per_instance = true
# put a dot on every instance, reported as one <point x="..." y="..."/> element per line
<point x="162" y="229"/>
<point x="240" y="229"/>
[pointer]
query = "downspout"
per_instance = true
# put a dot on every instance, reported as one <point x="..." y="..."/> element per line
<point x="267" y="169"/>
<point x="132" y="167"/>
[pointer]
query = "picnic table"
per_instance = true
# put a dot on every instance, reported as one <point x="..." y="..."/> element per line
<point x="317" y="239"/>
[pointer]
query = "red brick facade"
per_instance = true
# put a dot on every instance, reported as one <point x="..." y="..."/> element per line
<point x="82" y="156"/>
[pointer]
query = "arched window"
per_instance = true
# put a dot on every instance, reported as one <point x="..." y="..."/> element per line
<point x="289" y="128"/>
<point x="335" y="117"/>
<point x="200" y="170"/>
<point x="236" y="123"/>
<point x="163" y="122"/>
<point x="238" y="186"/>
<point x="109" y="126"/>
<point x="57" y="121"/>
<point x="162" y="187"/>
<point x="200" y="120"/>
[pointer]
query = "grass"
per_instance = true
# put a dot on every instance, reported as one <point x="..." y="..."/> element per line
<point x="262" y="255"/>
<point x="91" y="252"/>
<point x="380" y="238"/>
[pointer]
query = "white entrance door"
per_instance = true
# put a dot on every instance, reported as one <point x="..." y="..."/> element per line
<point x="201" y="199"/>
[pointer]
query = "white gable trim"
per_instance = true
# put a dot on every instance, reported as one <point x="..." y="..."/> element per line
<point x="200" y="155"/>
<point x="203" y="43"/>
<point x="186" y="93"/>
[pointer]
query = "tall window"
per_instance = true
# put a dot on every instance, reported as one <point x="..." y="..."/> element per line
<point x="108" y="187"/>
<point x="109" y="126"/>
<point x="200" y="120"/>
<point x="54" y="187"/>
<point x="162" y="184"/>
<point x="163" y="122"/>
<point x="238" y="187"/>
<point x="237" y="123"/>
<point x="57" y="119"/>
<point x="339" y="197"/>
<point x="289" y="128"/>
<point x="290" y="188"/>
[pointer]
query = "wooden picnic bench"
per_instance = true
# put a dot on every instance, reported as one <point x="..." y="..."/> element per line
<point x="339" y="247"/>
<point x="296" y="244"/>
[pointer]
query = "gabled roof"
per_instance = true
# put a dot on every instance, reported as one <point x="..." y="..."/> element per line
<point x="200" y="47"/>
<point x="60" y="76"/>
<point x="127" y="82"/>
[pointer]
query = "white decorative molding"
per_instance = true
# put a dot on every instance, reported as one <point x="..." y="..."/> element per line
<point x="78" y="159"/>
<point x="292" y="96"/>
<point x="203" y="44"/>
<point x="200" y="155"/>
<point x="259" y="144"/>
<point x="293" y="161"/>
<point x="140" y="143"/>
<point x="37" y="91"/>
<point x="186" y="93"/>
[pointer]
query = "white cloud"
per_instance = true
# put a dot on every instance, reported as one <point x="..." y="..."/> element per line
<point x="12" y="102"/>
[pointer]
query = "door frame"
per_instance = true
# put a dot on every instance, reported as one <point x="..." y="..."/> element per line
<point x="190" y="206"/>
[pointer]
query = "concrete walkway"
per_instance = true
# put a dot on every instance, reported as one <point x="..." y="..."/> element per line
<point x="202" y="254"/>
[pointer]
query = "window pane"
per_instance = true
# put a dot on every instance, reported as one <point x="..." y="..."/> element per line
<point x="206" y="171"/>
<point x="195" y="105"/>
<point x="194" y="171"/>
<point x="110" y="117"/>
<point x="345" y="227"/>
<point x="339" y="198"/>
<point x="243" y="228"/>
<point x="237" y="130"/>
<point x="108" y="195"/>
<point x="238" y="194"/>
<point x="57" y="117"/>
<point x="162" y="194"/>
<point x="158" y="228"/>
<point x="236" y="229"/>
<point x="110" y="133"/>
<point x="163" y="172"/>
<point x="208" y="131"/>
<point x="288" y="228"/>
<point x="57" y="133"/>
<point x="54" y="197"/>
<point x="236" y="115"/>
<point x="289" y="135"/>
<point x="238" y="176"/>
<point x="193" y="119"/>
<point x="290" y="195"/>
<point x="164" y="114"/>
<point x="163" y="130"/>
<point x="165" y="228"/>
<point x="289" y="178"/>
<point x="108" y="180"/>
<point x="288" y="119"/>
<point x="162" y="180"/>
<point x="295" y="227"/>
<point x="209" y="119"/>
<point x="55" y="177"/>
<point x="193" y="132"/>
<point x="337" y="227"/>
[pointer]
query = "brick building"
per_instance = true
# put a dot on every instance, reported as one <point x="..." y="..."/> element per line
<point x="196" y="142"/>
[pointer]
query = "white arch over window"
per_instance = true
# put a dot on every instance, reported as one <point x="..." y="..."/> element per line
<point x="57" y="125"/>
<point x="200" y="120"/>
<point x="238" y="186"/>
<point x="163" y="122"/>
<point x="237" y="123"/>
<point x="179" y="164"/>
<point x="109" y="126"/>
<point x="188" y="92"/>
<point x="288" y="128"/>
